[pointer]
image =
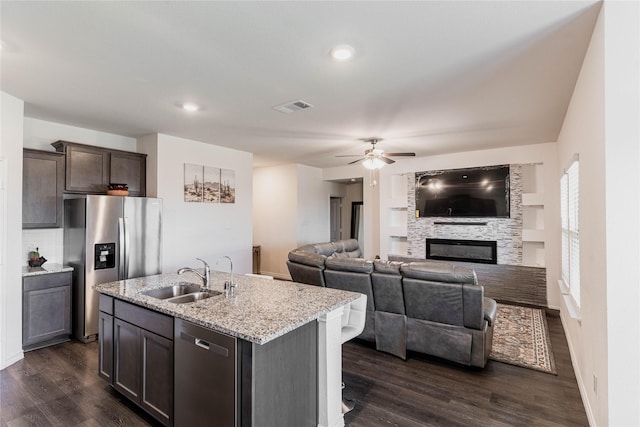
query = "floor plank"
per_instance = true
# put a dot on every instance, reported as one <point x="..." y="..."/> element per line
<point x="430" y="392"/>
<point x="59" y="386"/>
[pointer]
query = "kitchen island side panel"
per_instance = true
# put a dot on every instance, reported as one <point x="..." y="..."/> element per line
<point x="285" y="383"/>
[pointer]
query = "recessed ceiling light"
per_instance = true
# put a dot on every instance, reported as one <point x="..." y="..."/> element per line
<point x="190" y="106"/>
<point x="342" y="53"/>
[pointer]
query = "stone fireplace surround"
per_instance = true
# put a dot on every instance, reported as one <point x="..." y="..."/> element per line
<point x="506" y="232"/>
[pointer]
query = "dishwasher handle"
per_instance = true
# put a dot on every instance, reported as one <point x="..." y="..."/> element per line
<point x="201" y="343"/>
<point x="205" y="345"/>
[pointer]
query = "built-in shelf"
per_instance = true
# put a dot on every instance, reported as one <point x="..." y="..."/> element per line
<point x="397" y="231"/>
<point x="532" y="199"/>
<point x="398" y="245"/>
<point x="532" y="235"/>
<point x="398" y="203"/>
<point x="533" y="255"/>
<point x="396" y="215"/>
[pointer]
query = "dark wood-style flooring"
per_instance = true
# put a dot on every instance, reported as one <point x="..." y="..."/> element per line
<point x="60" y="386"/>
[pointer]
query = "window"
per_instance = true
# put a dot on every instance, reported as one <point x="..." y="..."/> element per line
<point x="569" y="198"/>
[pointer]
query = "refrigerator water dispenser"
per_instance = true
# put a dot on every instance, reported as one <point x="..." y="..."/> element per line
<point x="105" y="255"/>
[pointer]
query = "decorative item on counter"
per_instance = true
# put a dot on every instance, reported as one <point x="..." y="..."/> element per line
<point x="35" y="260"/>
<point x="117" y="189"/>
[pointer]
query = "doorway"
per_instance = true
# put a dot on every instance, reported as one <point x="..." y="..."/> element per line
<point x="335" y="218"/>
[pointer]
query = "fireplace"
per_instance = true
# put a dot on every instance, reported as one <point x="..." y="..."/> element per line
<point x="483" y="251"/>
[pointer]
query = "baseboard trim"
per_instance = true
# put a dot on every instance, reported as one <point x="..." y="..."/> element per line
<point x="11" y="360"/>
<point x="578" y="374"/>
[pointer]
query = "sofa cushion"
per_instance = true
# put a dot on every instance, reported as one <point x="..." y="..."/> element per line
<point x="387" y="267"/>
<point x="387" y="286"/>
<point x="439" y="272"/>
<point x="434" y="301"/>
<point x="358" y="265"/>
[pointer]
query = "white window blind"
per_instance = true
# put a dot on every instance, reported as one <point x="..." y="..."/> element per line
<point x="569" y="203"/>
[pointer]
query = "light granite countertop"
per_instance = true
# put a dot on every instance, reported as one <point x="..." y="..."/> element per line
<point x="46" y="268"/>
<point x="259" y="311"/>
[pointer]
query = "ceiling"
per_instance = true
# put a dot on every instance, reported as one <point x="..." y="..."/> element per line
<point x="430" y="77"/>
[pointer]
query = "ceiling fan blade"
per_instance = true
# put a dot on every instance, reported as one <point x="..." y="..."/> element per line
<point x="387" y="161"/>
<point x="356" y="161"/>
<point x="400" y="154"/>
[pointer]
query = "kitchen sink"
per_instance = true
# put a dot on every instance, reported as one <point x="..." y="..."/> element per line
<point x="181" y="293"/>
<point x="175" y="290"/>
<point x="194" y="296"/>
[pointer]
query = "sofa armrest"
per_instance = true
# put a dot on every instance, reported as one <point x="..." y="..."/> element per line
<point x="307" y="258"/>
<point x="490" y="310"/>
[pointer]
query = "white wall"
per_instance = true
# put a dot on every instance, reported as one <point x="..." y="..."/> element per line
<point x="601" y="125"/>
<point x="275" y="216"/>
<point x="39" y="134"/>
<point x="622" y="146"/>
<point x="313" y="206"/>
<point x="291" y="209"/>
<point x="203" y="230"/>
<point x="11" y="260"/>
<point x="583" y="133"/>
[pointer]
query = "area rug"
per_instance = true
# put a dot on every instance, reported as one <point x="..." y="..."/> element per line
<point x="521" y="337"/>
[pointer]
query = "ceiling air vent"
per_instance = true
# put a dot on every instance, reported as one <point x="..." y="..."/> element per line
<point x="293" y="106"/>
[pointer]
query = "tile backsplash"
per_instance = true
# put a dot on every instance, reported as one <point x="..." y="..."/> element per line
<point x="48" y="240"/>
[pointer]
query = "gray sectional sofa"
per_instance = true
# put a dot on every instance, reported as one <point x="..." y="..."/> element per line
<point x="430" y="307"/>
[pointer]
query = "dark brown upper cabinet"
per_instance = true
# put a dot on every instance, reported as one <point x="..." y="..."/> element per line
<point x="42" y="188"/>
<point x="129" y="168"/>
<point x="91" y="169"/>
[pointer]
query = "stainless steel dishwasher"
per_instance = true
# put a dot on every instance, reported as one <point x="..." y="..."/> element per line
<point x="205" y="380"/>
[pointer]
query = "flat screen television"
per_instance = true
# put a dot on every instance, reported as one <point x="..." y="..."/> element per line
<point x="472" y="192"/>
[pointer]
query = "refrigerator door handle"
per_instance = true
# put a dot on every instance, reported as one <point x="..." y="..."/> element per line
<point x="122" y="243"/>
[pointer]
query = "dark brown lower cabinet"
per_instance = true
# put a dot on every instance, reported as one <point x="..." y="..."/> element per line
<point x="139" y="355"/>
<point x="46" y="309"/>
<point x="211" y="378"/>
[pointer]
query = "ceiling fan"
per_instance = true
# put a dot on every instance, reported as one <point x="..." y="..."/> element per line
<point x="375" y="158"/>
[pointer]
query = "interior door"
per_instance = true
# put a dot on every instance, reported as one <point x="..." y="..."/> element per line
<point x="335" y="217"/>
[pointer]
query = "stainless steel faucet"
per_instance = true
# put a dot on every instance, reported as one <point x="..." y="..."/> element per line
<point x="229" y="285"/>
<point x="206" y="277"/>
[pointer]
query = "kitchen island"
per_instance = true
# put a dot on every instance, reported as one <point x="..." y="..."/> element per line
<point x="270" y="354"/>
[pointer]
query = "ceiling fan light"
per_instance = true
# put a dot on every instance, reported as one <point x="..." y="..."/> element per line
<point x="373" y="163"/>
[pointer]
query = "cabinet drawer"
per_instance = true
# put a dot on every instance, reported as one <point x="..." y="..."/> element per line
<point x="106" y="304"/>
<point x="44" y="281"/>
<point x="144" y="318"/>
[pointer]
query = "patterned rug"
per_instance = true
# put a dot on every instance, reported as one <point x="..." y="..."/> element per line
<point x="521" y="337"/>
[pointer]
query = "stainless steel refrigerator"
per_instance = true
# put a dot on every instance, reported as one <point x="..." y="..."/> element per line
<point x="108" y="238"/>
